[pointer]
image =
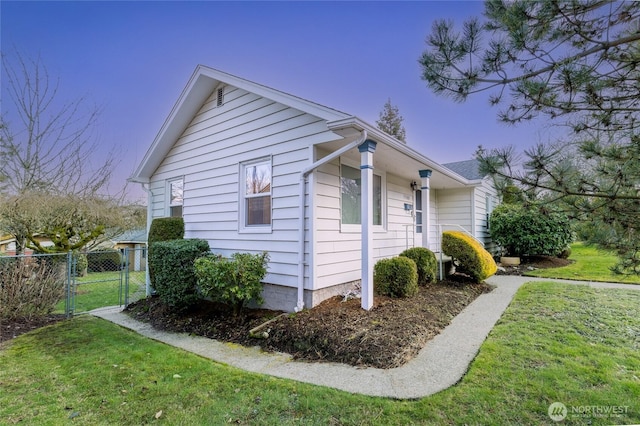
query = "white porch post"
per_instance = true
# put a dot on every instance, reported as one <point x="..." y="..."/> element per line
<point x="366" y="218"/>
<point x="426" y="206"/>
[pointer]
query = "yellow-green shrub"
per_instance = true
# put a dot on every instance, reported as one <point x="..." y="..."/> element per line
<point x="473" y="258"/>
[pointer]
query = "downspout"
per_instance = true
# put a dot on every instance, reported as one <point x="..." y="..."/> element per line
<point x="149" y="219"/>
<point x="301" y="232"/>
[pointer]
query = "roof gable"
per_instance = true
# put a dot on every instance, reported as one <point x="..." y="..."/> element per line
<point x="200" y="86"/>
<point x="469" y="169"/>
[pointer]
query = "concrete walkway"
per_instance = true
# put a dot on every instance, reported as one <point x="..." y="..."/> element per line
<point x="439" y="365"/>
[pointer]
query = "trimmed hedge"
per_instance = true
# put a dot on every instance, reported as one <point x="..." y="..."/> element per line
<point x="166" y="229"/>
<point x="234" y="282"/>
<point x="473" y="258"/>
<point x="104" y="260"/>
<point x="173" y="265"/>
<point x="163" y="229"/>
<point x="426" y="263"/>
<point x="395" y="277"/>
<point x="530" y="231"/>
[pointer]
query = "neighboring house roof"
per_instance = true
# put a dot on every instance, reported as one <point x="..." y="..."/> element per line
<point x="204" y="80"/>
<point x="469" y="169"/>
<point x="133" y="236"/>
<point x="6" y="239"/>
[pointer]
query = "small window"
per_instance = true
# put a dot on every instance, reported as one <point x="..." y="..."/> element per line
<point x="489" y="206"/>
<point x="220" y="96"/>
<point x="176" y="197"/>
<point x="351" y="196"/>
<point x="256" y="194"/>
<point x="418" y="211"/>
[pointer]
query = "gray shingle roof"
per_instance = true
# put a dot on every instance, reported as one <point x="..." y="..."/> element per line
<point x="133" y="236"/>
<point x="469" y="169"/>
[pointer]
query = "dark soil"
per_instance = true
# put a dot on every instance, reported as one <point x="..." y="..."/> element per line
<point x="531" y="263"/>
<point x="15" y="327"/>
<point x="387" y="336"/>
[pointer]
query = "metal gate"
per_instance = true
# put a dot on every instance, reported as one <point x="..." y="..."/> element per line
<point x="112" y="277"/>
<point x="85" y="281"/>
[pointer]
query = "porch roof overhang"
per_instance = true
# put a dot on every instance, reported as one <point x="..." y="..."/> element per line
<point x="393" y="155"/>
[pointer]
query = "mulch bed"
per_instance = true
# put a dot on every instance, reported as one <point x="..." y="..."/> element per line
<point x="11" y="328"/>
<point x="531" y="263"/>
<point x="387" y="336"/>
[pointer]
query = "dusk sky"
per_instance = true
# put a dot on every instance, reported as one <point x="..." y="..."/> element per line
<point x="134" y="59"/>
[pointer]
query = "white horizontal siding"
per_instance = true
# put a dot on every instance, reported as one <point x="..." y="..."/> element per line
<point x="454" y="207"/>
<point x="338" y="254"/>
<point x="481" y="193"/>
<point x="209" y="153"/>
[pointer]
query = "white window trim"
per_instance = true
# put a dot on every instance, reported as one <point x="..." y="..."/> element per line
<point x="168" y="205"/>
<point x="242" y="212"/>
<point x="357" y="228"/>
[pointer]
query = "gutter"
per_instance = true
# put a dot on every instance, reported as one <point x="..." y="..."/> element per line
<point x="304" y="174"/>
<point x="149" y="219"/>
<point x="403" y="148"/>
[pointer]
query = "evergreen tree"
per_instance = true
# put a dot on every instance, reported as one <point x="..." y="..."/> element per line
<point x="390" y="122"/>
<point x="578" y="64"/>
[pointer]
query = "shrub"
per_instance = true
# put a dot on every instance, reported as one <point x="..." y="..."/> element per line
<point x="29" y="287"/>
<point x="530" y="231"/>
<point x="425" y="261"/>
<point x="166" y="229"/>
<point x="565" y="254"/>
<point x="175" y="278"/>
<point x="82" y="264"/>
<point x="104" y="260"/>
<point x="163" y="229"/>
<point x="472" y="257"/>
<point x="396" y="277"/>
<point x="234" y="282"/>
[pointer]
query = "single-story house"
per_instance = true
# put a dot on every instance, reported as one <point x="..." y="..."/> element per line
<point x="136" y="241"/>
<point x="8" y="244"/>
<point x="251" y="168"/>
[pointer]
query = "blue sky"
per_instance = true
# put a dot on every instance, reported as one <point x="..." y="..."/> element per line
<point x="134" y="59"/>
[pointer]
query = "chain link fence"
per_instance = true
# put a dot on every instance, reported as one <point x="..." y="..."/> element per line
<point x="71" y="283"/>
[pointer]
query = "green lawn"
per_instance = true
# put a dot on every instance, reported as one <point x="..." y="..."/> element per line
<point x="99" y="289"/>
<point x="590" y="264"/>
<point x="556" y="342"/>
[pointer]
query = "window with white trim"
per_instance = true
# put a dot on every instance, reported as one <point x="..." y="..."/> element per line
<point x="255" y="193"/>
<point x="175" y="187"/>
<point x="489" y="208"/>
<point x="418" y="204"/>
<point x="351" y="196"/>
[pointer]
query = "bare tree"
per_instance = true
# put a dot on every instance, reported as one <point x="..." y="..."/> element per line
<point x="49" y="153"/>
<point x="49" y="146"/>
<point x="68" y="222"/>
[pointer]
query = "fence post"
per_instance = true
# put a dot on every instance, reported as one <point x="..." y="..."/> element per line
<point x="121" y="268"/>
<point x="68" y="308"/>
<point x="126" y="276"/>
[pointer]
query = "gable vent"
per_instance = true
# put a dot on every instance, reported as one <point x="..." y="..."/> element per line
<point x="220" y="95"/>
